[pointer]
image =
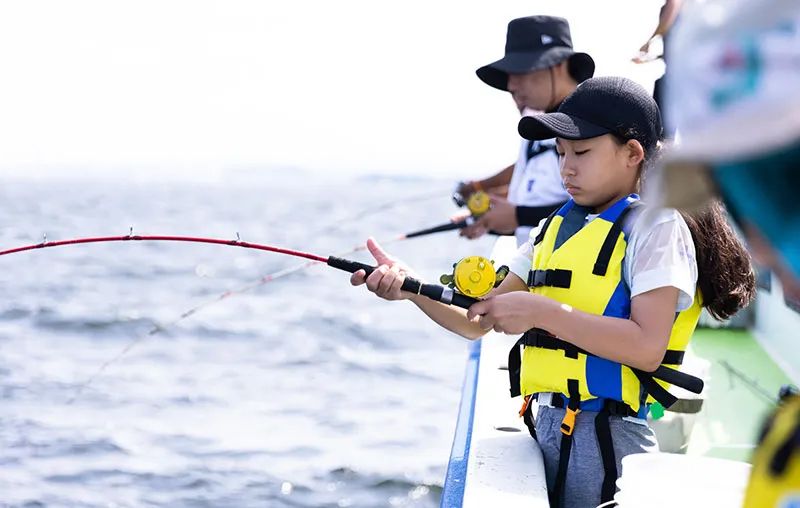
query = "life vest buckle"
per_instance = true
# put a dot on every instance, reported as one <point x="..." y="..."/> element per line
<point x="526" y="403"/>
<point x="568" y="422"/>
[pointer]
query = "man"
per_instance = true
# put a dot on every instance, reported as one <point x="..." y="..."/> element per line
<point x="539" y="69"/>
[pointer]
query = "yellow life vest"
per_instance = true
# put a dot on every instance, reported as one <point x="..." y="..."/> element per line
<point x="583" y="269"/>
<point x="775" y="479"/>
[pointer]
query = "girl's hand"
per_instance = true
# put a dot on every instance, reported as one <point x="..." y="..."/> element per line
<point x="511" y="313"/>
<point x="387" y="278"/>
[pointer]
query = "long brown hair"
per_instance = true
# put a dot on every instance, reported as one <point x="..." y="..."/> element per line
<point x="725" y="274"/>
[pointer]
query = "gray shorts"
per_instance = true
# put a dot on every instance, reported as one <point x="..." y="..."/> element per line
<point x="585" y="472"/>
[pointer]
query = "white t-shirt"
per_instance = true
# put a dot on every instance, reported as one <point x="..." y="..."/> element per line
<point x="536" y="182"/>
<point x="660" y="253"/>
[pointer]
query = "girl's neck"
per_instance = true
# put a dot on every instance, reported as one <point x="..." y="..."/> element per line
<point x="600" y="208"/>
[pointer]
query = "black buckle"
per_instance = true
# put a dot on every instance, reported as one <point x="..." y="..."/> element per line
<point x="555" y="278"/>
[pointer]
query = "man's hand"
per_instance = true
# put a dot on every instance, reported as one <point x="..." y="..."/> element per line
<point x="501" y="217"/>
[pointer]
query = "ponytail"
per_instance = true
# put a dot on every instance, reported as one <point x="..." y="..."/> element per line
<point x="724" y="273"/>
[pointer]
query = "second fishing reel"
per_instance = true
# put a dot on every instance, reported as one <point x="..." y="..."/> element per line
<point x="474" y="276"/>
<point x="477" y="202"/>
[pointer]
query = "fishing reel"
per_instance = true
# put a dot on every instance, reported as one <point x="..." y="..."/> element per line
<point x="477" y="202"/>
<point x="474" y="276"/>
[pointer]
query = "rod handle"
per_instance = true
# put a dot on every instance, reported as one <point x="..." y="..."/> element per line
<point x="410" y="284"/>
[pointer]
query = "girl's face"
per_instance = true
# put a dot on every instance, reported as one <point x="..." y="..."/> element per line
<point x="599" y="171"/>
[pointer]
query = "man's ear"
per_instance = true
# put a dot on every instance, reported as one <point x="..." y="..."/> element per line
<point x="562" y="69"/>
<point x="635" y="152"/>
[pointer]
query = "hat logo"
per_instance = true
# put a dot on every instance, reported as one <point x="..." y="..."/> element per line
<point x="546" y="39"/>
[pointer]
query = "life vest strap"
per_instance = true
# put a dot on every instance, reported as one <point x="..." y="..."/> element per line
<point x="537" y="337"/>
<point x="540" y="236"/>
<point x="573" y="407"/>
<point x="654" y="389"/>
<point x="673" y="357"/>
<point x="557" y="278"/>
<point x="515" y="367"/>
<point x="526" y="413"/>
<point x="611" y="406"/>
<point x="607" y="249"/>
<point x="565" y="448"/>
<point x="605" y="442"/>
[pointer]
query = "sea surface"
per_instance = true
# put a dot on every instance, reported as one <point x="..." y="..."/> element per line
<point x="297" y="392"/>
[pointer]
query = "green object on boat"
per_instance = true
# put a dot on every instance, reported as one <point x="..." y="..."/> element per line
<point x="656" y="410"/>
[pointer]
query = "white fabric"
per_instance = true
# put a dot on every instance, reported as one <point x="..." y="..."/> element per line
<point x="535" y="182"/>
<point x="660" y="253"/>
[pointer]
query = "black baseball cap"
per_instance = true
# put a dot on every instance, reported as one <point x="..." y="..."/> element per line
<point x="604" y="105"/>
<point x="534" y="43"/>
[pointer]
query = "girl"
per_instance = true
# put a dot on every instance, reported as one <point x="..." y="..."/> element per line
<point x="605" y="292"/>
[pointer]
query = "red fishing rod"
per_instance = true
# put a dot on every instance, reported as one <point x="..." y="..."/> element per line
<point x="433" y="291"/>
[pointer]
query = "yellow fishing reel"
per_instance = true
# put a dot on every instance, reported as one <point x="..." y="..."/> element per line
<point x="479" y="203"/>
<point x="474" y="276"/>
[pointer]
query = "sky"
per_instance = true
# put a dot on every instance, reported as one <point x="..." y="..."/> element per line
<point x="194" y="87"/>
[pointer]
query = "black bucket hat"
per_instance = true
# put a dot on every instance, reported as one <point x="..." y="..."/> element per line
<point x="534" y="43"/>
<point x="605" y="105"/>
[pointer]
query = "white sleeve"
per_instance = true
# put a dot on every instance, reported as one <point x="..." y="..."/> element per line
<point x="661" y="253"/>
<point x="520" y="262"/>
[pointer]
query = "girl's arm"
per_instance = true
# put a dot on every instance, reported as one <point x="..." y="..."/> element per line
<point x="386" y="280"/>
<point x="638" y="342"/>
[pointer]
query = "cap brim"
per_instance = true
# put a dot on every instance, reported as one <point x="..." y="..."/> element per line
<point x="558" y="125"/>
<point x="496" y="73"/>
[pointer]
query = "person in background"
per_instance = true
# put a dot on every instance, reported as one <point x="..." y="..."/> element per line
<point x="666" y="18"/>
<point x="539" y="69"/>
<point x="732" y="95"/>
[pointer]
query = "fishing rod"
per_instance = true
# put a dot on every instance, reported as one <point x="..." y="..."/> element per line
<point x="160" y="327"/>
<point x="334" y="225"/>
<point x="749" y="382"/>
<point x="435" y="292"/>
<point x="478" y="204"/>
<point x="448" y="226"/>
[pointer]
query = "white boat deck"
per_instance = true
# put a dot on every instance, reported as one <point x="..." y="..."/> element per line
<point x="505" y="464"/>
<point x="494" y="460"/>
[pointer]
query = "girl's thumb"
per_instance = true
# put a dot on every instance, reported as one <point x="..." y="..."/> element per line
<point x="378" y="253"/>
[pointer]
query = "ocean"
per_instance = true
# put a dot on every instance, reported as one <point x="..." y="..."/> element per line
<point x="298" y="392"/>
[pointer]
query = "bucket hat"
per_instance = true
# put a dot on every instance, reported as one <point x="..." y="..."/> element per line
<point x="534" y="43"/>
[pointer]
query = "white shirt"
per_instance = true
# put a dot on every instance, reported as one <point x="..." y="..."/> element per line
<point x="660" y="253"/>
<point x="536" y="182"/>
